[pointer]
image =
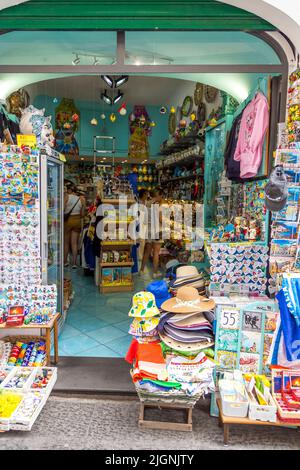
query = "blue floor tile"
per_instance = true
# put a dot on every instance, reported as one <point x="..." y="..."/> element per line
<point x="86" y="324"/>
<point x="98" y="351"/>
<point x="124" y="325"/>
<point x="121" y="346"/>
<point x="106" y="334"/>
<point x="96" y="325"/>
<point x="78" y="344"/>
<point x="91" y="301"/>
<point x="68" y="332"/>
<point x="111" y="317"/>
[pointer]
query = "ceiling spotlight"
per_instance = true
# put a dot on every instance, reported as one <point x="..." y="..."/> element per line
<point x="96" y="61"/>
<point x="118" y="97"/>
<point x="121" y="80"/>
<point x="107" y="99"/>
<point x="108" y="80"/>
<point x="76" y="61"/>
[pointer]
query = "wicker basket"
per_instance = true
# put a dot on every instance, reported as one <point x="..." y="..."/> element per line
<point x="25" y="339"/>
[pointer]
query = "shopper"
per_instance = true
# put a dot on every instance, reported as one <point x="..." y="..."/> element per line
<point x="143" y="199"/>
<point x="154" y="240"/>
<point x="74" y="209"/>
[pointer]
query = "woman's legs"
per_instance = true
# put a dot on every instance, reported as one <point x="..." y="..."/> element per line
<point x="67" y="238"/>
<point x="146" y="255"/>
<point x="156" y="250"/>
<point x="74" y="246"/>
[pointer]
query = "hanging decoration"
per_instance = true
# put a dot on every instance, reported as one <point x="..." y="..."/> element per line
<point x="152" y="124"/>
<point x="34" y="122"/>
<point x="163" y="110"/>
<point x="94" y="122"/>
<point x="198" y="94"/>
<point x="55" y="100"/>
<point x="201" y="114"/>
<point x="113" y="117"/>
<point x="122" y="110"/>
<point x="17" y="101"/>
<point x="140" y="130"/>
<point x="187" y="106"/>
<point x="67" y="118"/>
<point x="172" y="123"/>
<point x="173" y="110"/>
<point x="210" y="93"/>
<point x="193" y="116"/>
<point x="102" y="116"/>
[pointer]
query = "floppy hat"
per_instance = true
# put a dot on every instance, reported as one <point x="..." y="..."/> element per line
<point x="187" y="272"/>
<point x="186" y="347"/>
<point x="160" y="291"/>
<point x="188" y="300"/>
<point x="143" y="326"/>
<point x="143" y="305"/>
<point x="171" y="270"/>
<point x="276" y="190"/>
<point x="186" y="336"/>
<point x="170" y="264"/>
<point x="194" y="322"/>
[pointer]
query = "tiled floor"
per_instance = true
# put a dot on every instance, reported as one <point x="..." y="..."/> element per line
<point x="97" y="324"/>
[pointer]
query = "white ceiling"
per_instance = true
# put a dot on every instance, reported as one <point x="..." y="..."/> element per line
<point x="144" y="90"/>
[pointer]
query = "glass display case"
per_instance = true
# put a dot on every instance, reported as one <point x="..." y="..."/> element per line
<point x="52" y="223"/>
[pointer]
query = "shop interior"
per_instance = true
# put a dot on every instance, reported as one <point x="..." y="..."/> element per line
<point x="186" y="119"/>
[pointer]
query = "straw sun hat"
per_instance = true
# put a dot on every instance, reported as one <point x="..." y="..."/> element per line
<point x="188" y="300"/>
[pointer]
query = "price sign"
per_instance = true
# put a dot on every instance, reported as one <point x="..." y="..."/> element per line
<point x="230" y="318"/>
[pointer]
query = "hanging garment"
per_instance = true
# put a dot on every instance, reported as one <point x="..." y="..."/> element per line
<point x="254" y="124"/>
<point x="290" y="330"/>
<point x="291" y="290"/>
<point x="233" y="169"/>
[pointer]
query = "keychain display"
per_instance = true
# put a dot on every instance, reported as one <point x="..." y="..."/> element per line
<point x="239" y="269"/>
<point x="20" y="261"/>
<point x="39" y="302"/>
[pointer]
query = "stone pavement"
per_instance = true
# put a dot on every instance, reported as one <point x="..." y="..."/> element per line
<point x="91" y="423"/>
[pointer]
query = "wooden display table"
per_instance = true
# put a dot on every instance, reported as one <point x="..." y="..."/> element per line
<point x="226" y="421"/>
<point x="166" y="425"/>
<point x="48" y="328"/>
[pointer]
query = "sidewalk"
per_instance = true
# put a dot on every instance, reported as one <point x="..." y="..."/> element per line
<point x="89" y="423"/>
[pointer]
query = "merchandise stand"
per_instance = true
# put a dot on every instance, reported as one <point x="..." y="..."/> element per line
<point x="116" y="245"/>
<point x="226" y="421"/>
<point x="48" y="327"/>
<point x="167" y="425"/>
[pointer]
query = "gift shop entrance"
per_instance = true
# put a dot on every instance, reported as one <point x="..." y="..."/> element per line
<point x="149" y="117"/>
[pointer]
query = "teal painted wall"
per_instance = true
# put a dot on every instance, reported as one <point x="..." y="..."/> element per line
<point x="119" y="129"/>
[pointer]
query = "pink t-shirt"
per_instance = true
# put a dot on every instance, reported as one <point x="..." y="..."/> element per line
<point x="254" y="124"/>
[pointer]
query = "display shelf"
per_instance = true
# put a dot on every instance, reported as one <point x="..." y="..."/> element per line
<point x="106" y="289"/>
<point x="118" y="243"/>
<point x="226" y="421"/>
<point x="125" y="264"/>
<point x="118" y="201"/>
<point x="178" y="178"/>
<point x="183" y="144"/>
<point x="52" y="324"/>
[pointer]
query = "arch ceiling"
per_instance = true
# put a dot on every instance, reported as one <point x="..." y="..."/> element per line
<point x="195" y="14"/>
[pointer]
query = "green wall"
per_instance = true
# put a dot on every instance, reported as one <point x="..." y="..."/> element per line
<point x="119" y="129"/>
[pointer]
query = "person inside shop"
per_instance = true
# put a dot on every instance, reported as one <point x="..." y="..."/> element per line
<point x="153" y="240"/>
<point x="143" y="200"/>
<point x="74" y="210"/>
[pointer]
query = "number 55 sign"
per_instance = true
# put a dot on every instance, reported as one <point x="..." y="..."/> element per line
<point x="230" y="318"/>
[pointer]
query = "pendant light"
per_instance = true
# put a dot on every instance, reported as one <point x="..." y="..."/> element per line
<point x="107" y="99"/>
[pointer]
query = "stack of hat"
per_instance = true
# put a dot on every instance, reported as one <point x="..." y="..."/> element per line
<point x="160" y="291"/>
<point x="146" y="317"/>
<point x="188" y="276"/>
<point x="187" y="324"/>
